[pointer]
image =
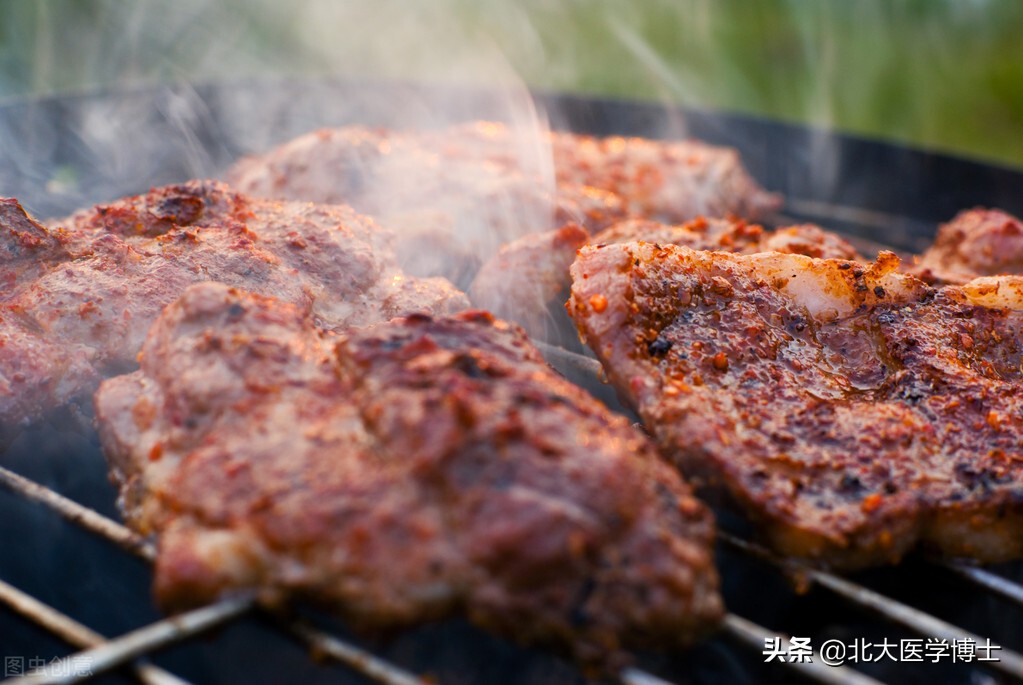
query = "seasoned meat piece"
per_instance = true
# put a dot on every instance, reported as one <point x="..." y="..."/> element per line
<point x="673" y="181"/>
<point x="732" y="235"/>
<point x="527" y="276"/>
<point x="452" y="203"/>
<point x="403" y="472"/>
<point x="808" y="240"/>
<point x="853" y="412"/>
<point x="458" y="194"/>
<point x="977" y="242"/>
<point x="26" y="247"/>
<point x="83" y="297"/>
<point x="451" y="229"/>
<point x="700" y="234"/>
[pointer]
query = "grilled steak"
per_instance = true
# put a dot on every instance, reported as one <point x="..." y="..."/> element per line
<point x="526" y="276"/>
<point x="79" y="299"/>
<point x="853" y="412"/>
<point x="403" y="472"/>
<point x="458" y="194"/>
<point x="977" y="242"/>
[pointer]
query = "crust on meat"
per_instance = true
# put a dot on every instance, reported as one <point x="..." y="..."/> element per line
<point x="530" y="274"/>
<point x="457" y="194"/>
<point x="977" y="242"/>
<point x="78" y="298"/>
<point x="267" y="455"/>
<point x="853" y="412"/>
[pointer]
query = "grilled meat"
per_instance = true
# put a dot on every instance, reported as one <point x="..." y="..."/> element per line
<point x="26" y="248"/>
<point x="673" y="181"/>
<point x="81" y="298"/>
<point x="977" y="242"/>
<point x="732" y="235"/>
<point x="853" y="412"/>
<point x="458" y="194"/>
<point x="404" y="472"/>
<point x="528" y="275"/>
<point x="805" y="239"/>
<point x="452" y="202"/>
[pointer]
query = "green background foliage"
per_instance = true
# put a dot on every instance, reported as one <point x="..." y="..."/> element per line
<point x="940" y="74"/>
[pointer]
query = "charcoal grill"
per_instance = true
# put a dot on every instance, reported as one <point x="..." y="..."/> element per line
<point x="72" y="578"/>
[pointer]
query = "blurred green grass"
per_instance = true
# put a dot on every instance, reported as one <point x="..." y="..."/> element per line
<point x="939" y="74"/>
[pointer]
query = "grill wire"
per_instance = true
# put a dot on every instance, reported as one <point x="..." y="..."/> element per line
<point x="107" y="654"/>
<point x="132" y="648"/>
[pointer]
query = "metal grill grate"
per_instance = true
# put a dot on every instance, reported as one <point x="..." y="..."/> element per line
<point x="131" y="650"/>
<point x="932" y="188"/>
<point x="104" y="654"/>
<point x="1010" y="662"/>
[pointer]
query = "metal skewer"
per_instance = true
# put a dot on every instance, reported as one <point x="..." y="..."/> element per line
<point x="75" y="633"/>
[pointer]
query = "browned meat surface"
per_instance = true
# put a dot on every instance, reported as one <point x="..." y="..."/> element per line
<point x="853" y="412"/>
<point x="528" y="275"/>
<point x="977" y="242"/>
<point x="81" y="298"/>
<point x="672" y="181"/>
<point x="458" y="194"/>
<point x="452" y="202"/>
<point x="26" y="248"/>
<point x="732" y="235"/>
<point x="404" y="472"/>
<point x="700" y="233"/>
<point x="808" y="240"/>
